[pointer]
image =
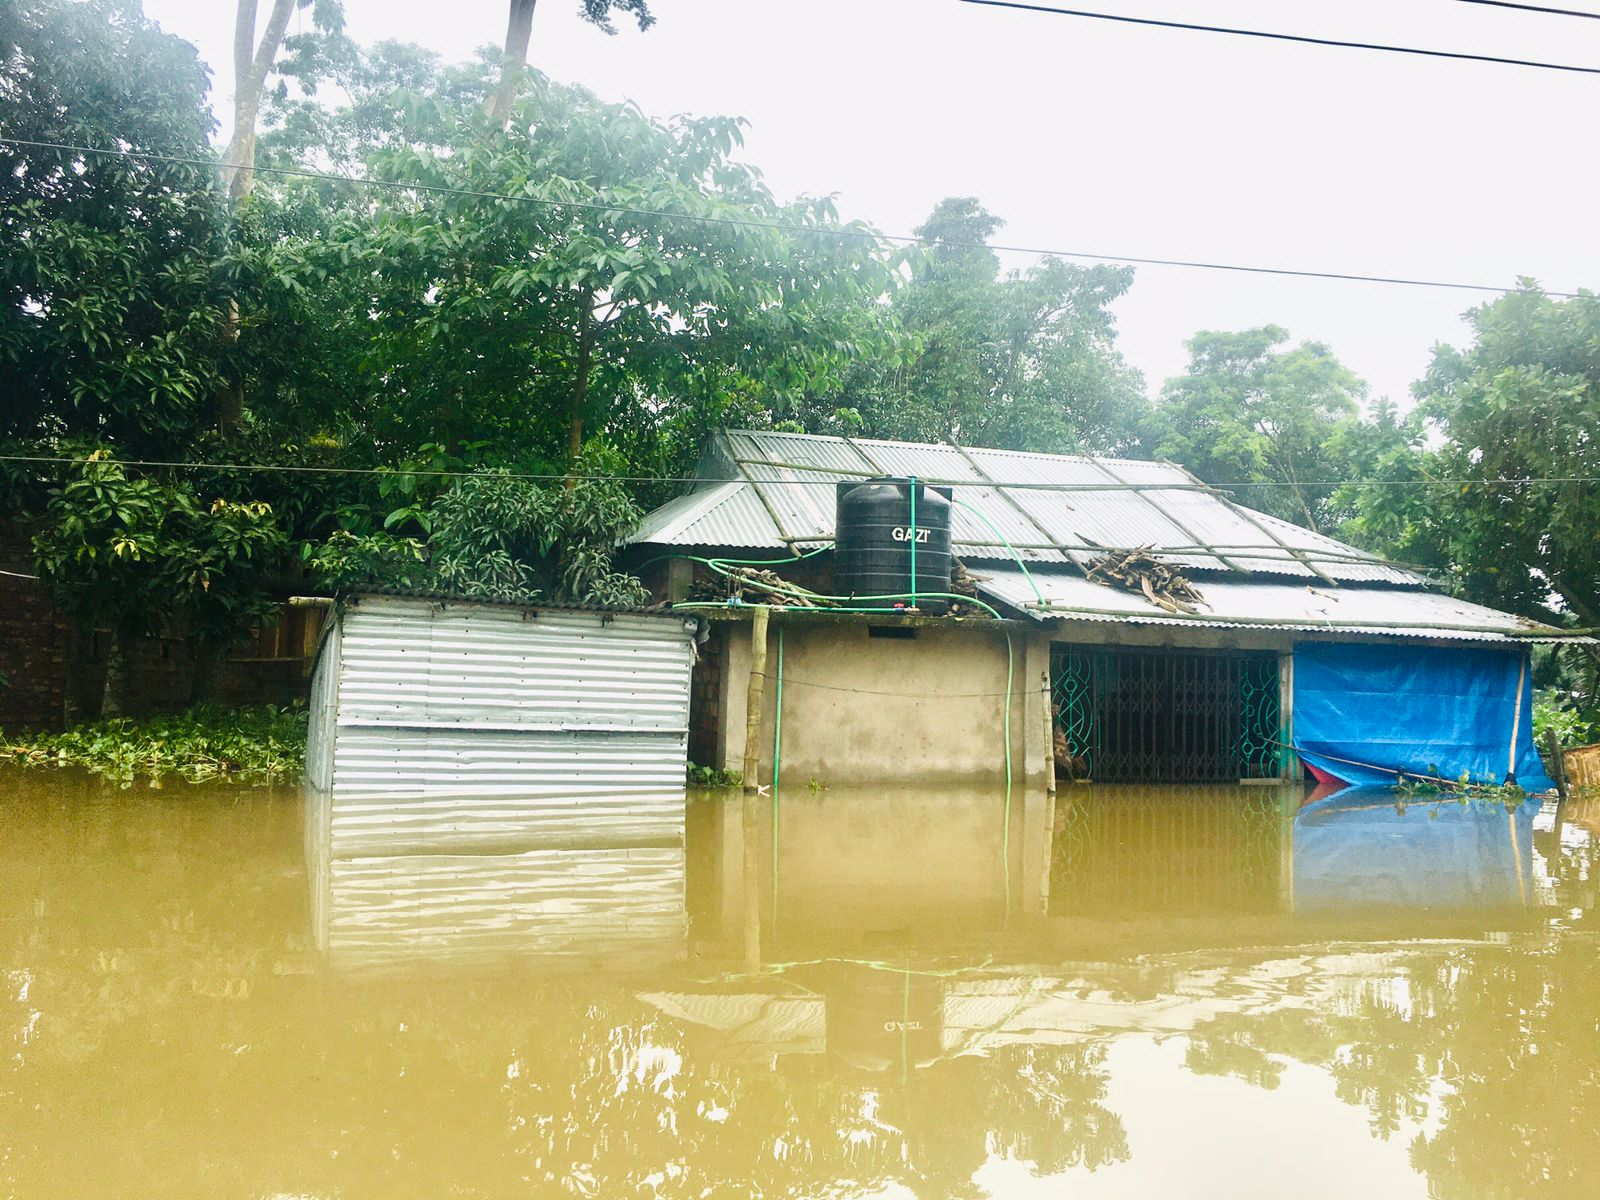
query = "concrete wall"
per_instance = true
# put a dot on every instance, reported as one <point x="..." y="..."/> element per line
<point x="859" y="709"/>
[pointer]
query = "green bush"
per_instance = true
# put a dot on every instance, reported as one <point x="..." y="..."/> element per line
<point x="251" y="745"/>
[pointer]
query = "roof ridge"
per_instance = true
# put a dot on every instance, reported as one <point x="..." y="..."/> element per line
<point x="847" y="439"/>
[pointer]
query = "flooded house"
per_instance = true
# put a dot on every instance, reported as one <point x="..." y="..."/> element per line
<point x="932" y="614"/>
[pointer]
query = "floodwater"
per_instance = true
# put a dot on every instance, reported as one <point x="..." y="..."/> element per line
<point x="1234" y="994"/>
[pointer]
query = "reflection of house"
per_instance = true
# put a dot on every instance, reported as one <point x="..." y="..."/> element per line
<point x="1295" y="638"/>
<point x="488" y="779"/>
<point x="1135" y="853"/>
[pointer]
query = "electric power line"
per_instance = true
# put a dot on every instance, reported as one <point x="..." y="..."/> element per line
<point x="824" y="479"/>
<point x="1536" y="8"/>
<point x="1286" y="37"/>
<point x="783" y="227"/>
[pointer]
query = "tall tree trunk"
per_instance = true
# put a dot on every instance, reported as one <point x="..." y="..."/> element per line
<point x="84" y="690"/>
<point x="251" y="62"/>
<point x="580" y="386"/>
<point x="119" y="675"/>
<point x="519" y="30"/>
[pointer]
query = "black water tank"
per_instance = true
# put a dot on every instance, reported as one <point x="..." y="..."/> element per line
<point x="877" y="522"/>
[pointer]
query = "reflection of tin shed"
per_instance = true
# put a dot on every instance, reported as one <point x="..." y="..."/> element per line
<point x="1292" y="647"/>
<point x="487" y="779"/>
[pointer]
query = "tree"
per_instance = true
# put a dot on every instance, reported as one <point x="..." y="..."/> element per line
<point x="1522" y="405"/>
<point x="1250" y="413"/>
<point x="1491" y="482"/>
<point x="109" y="305"/>
<point x="640" y="274"/>
<point x="519" y="30"/>
<point x="494" y="537"/>
<point x="253" y="61"/>
<point x="1021" y="361"/>
<point x="139" y="553"/>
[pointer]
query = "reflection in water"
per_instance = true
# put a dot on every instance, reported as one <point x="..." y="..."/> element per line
<point x="167" y="1028"/>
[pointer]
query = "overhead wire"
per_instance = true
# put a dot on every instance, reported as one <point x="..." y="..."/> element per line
<point x="1303" y="39"/>
<point x="835" y="232"/>
<point x="828" y="481"/>
<point x="1536" y="8"/>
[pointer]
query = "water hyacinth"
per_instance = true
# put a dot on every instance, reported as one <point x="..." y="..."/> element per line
<point x="253" y="745"/>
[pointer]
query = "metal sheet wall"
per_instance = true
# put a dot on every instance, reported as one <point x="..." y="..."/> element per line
<point x="416" y="664"/>
<point x="498" y="781"/>
<point x="603" y="905"/>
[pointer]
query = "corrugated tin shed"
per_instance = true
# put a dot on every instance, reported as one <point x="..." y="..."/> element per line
<point x="498" y="776"/>
<point x="1268" y="604"/>
<point x="776" y="491"/>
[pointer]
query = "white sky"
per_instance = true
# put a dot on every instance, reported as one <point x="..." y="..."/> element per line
<point x="1127" y="140"/>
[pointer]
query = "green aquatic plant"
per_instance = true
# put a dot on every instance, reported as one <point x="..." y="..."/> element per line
<point x="712" y="777"/>
<point x="1465" y="789"/>
<point x="251" y="745"/>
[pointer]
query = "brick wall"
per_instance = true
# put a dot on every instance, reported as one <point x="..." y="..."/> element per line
<point x="270" y="668"/>
<point x="705" y="699"/>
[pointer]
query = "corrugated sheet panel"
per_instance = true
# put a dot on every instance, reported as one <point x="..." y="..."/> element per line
<point x="1277" y="605"/>
<point x="376" y="761"/>
<point x="320" y="738"/>
<point x="323" y="711"/>
<point x="504" y="782"/>
<point x="601" y="906"/>
<point x="730" y="514"/>
<point x="1373" y="570"/>
<point x="411" y="664"/>
<point x="790" y="495"/>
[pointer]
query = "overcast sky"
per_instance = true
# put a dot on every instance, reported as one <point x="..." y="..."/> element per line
<point x="1128" y="140"/>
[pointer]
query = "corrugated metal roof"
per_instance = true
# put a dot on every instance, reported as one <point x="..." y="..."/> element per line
<point x="775" y="490"/>
<point x="1393" y="612"/>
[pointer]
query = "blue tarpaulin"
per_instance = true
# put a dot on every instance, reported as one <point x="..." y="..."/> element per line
<point x="1362" y="713"/>
<point x="1365" y="848"/>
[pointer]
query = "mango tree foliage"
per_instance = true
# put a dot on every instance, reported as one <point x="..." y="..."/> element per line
<point x="110" y="307"/>
<point x="1024" y="360"/>
<point x="492" y="536"/>
<point x="138" y="554"/>
<point x="633" y="269"/>
<point x="1248" y="412"/>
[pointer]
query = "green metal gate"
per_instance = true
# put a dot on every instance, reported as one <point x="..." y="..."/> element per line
<point x="1168" y="716"/>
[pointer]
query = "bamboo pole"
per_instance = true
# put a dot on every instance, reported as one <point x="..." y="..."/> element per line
<point x="1049" y="735"/>
<point x="751" y="817"/>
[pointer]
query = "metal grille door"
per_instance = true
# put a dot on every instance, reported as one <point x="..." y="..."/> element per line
<point x="1168" y="716"/>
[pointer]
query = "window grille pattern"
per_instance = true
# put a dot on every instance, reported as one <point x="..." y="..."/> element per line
<point x="1168" y="716"/>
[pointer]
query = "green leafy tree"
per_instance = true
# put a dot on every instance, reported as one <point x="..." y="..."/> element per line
<point x="1025" y="360"/>
<point x="1492" y="481"/>
<point x="621" y="291"/>
<point x="110" y="310"/>
<point x="139" y="554"/>
<point x="1249" y="412"/>
<point x="495" y="537"/>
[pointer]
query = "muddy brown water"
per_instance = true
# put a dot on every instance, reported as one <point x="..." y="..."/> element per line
<point x="1234" y="995"/>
